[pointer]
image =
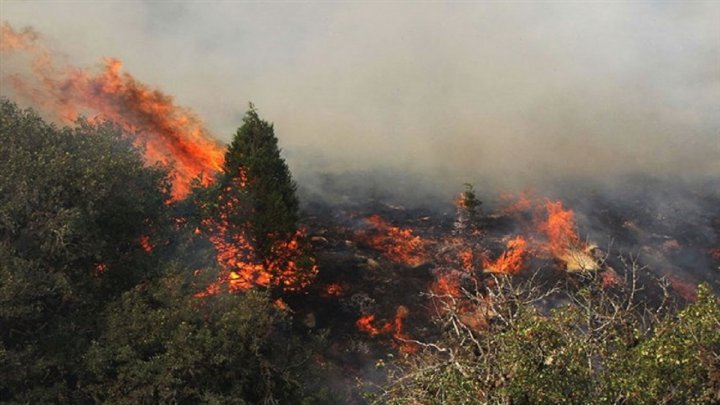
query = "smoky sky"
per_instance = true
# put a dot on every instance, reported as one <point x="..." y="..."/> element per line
<point x="512" y="94"/>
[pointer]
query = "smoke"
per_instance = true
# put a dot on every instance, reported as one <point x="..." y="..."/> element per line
<point x="504" y="95"/>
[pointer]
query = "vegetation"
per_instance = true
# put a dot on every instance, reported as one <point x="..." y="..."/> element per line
<point x="97" y="284"/>
<point x="259" y="178"/>
<point x="103" y="297"/>
<point x="601" y="347"/>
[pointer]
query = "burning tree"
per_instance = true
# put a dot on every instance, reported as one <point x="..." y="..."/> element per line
<point x="468" y="210"/>
<point x="254" y="213"/>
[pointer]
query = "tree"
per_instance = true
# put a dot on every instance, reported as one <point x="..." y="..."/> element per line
<point x="252" y="212"/>
<point x="259" y="176"/>
<point x="602" y="346"/>
<point x="76" y="206"/>
<point x="160" y="344"/>
<point x="468" y="210"/>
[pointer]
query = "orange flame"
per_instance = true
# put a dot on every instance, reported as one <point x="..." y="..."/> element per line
<point x="237" y="256"/>
<point x="514" y="204"/>
<point x="560" y="229"/>
<point x="395" y="328"/>
<point x="512" y="260"/>
<point x="170" y="134"/>
<point x="398" y="244"/>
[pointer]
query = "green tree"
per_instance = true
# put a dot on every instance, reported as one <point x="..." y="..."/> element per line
<point x="161" y="344"/>
<point x="253" y="211"/>
<point x="255" y="172"/>
<point x="469" y="212"/>
<point x="76" y="205"/>
<point x="604" y="346"/>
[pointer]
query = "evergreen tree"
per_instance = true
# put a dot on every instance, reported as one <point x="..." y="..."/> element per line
<point x="252" y="212"/>
<point x="261" y="180"/>
<point x="469" y="212"/>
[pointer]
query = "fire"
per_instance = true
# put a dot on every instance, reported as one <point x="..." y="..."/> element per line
<point x="398" y="244"/>
<point x="512" y="260"/>
<point x="237" y="257"/>
<point x="146" y="244"/>
<point x="514" y="204"/>
<point x="394" y="328"/>
<point x="563" y="240"/>
<point x="559" y="228"/>
<point x="169" y="134"/>
<point x="334" y="290"/>
<point x="100" y="268"/>
<point x="364" y="324"/>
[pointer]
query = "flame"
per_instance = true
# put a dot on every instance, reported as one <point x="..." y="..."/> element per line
<point x="170" y="134"/>
<point x="237" y="257"/>
<point x="146" y="244"/>
<point x="512" y="204"/>
<point x="512" y="260"/>
<point x="559" y="228"/>
<point x="334" y="290"/>
<point x="364" y="324"/>
<point x="394" y="328"/>
<point x="397" y="244"/>
<point x="447" y="285"/>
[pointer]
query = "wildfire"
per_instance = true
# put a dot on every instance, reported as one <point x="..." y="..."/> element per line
<point x="169" y="134"/>
<point x="334" y="290"/>
<point x="394" y="328"/>
<point x="146" y="244"/>
<point x="515" y="204"/>
<point x="237" y="257"/>
<point x="512" y="260"/>
<point x="397" y="244"/>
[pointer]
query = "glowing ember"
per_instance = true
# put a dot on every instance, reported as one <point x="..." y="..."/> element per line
<point x="146" y="244"/>
<point x="170" y="134"/>
<point x="397" y="244"/>
<point x="100" y="268"/>
<point x="334" y="290"/>
<point x="512" y="260"/>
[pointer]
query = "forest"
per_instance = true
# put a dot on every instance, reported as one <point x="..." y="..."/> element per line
<point x="120" y="282"/>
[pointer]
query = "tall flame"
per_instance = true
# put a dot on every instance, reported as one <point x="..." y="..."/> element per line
<point x="169" y="133"/>
<point x="559" y="228"/>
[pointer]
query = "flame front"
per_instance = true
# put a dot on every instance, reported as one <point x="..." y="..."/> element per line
<point x="170" y="134"/>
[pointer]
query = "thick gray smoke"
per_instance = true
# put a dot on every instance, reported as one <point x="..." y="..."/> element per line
<point x="505" y="95"/>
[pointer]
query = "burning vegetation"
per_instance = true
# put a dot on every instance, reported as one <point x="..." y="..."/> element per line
<point x="200" y="263"/>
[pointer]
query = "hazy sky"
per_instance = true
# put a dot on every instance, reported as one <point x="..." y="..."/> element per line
<point x="453" y="91"/>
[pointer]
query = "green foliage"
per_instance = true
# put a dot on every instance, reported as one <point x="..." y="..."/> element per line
<point x="257" y="177"/>
<point x="74" y="204"/>
<point x="88" y="315"/>
<point x="596" y="349"/>
<point x="679" y="363"/>
<point x="162" y="345"/>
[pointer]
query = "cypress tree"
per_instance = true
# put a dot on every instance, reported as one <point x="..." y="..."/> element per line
<point x="258" y="180"/>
